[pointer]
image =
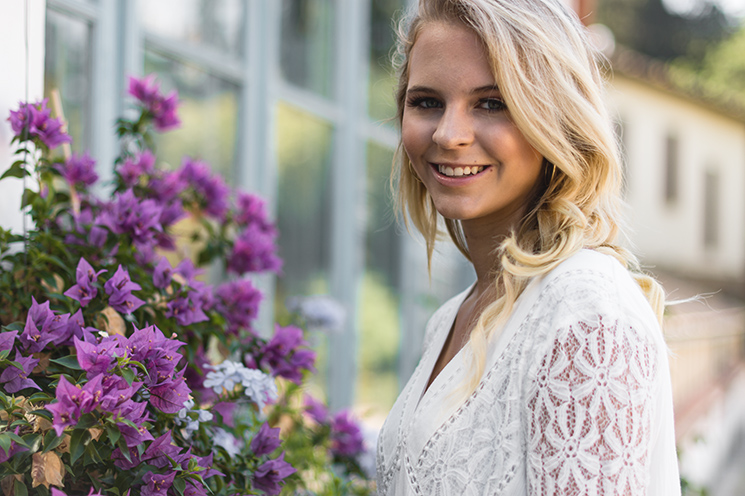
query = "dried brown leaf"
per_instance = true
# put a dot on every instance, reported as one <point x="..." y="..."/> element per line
<point x="113" y="323"/>
<point x="47" y="469"/>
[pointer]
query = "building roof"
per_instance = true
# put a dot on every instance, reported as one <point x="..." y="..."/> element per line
<point x="656" y="74"/>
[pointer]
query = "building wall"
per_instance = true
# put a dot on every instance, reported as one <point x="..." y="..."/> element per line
<point x="670" y="234"/>
<point x="13" y="87"/>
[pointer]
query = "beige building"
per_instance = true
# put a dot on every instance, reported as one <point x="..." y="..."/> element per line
<point x="685" y="188"/>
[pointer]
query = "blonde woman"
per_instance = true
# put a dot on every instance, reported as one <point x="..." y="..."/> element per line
<point x="548" y="376"/>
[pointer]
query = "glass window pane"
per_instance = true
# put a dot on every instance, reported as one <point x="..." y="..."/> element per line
<point x="307" y="44"/>
<point x="304" y="147"/>
<point x="382" y="83"/>
<point x="377" y="380"/>
<point x="208" y="112"/>
<point x="67" y="67"/>
<point x="215" y="23"/>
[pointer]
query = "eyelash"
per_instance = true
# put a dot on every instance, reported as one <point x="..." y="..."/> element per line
<point x="419" y="101"/>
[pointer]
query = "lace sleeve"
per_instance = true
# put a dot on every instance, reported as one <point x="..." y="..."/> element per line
<point x="590" y="410"/>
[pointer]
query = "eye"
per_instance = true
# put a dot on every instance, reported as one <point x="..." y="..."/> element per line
<point x="424" y="102"/>
<point x="492" y="104"/>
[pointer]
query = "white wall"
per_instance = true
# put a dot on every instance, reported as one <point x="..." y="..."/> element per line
<point x="13" y="87"/>
<point x="670" y="236"/>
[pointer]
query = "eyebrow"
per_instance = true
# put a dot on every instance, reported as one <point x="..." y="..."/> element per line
<point x="480" y="89"/>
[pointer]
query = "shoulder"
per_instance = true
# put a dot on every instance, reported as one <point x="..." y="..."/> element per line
<point x="592" y="283"/>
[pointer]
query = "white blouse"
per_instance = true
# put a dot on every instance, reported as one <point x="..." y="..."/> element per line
<point x="575" y="398"/>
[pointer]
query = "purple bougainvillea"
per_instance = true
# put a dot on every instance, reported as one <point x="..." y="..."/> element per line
<point x="35" y="121"/>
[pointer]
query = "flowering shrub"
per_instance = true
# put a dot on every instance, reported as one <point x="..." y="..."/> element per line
<point x="122" y="373"/>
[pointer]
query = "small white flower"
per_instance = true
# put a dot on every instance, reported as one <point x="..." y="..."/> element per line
<point x="226" y="441"/>
<point x="321" y="313"/>
<point x="257" y="385"/>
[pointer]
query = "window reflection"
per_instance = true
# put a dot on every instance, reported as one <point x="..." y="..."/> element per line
<point x="381" y="86"/>
<point x="377" y="384"/>
<point x="214" y="23"/>
<point x="307" y="44"/>
<point x="208" y="112"/>
<point x="303" y="216"/>
<point x="67" y="68"/>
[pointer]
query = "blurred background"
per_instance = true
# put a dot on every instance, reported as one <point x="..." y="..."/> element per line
<point x="293" y="99"/>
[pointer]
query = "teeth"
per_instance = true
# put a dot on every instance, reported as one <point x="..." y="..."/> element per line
<point x="460" y="171"/>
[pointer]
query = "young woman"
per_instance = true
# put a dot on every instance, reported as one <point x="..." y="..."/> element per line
<point x="549" y="375"/>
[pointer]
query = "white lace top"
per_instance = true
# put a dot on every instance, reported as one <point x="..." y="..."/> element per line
<point x="575" y="399"/>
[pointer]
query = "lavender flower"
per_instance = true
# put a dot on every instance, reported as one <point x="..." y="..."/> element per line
<point x="84" y="291"/>
<point x="269" y="476"/>
<point x="316" y="409"/>
<point x="186" y="310"/>
<point x="119" y="288"/>
<point x="254" y="251"/>
<point x="135" y="167"/>
<point x="36" y="333"/>
<point x="14" y="379"/>
<point x="238" y="302"/>
<point x="346" y="436"/>
<point x="266" y="440"/>
<point x="72" y="402"/>
<point x="250" y="209"/>
<point x="157" y="484"/>
<point x="162" y="274"/>
<point x="161" y="108"/>
<point x="212" y="192"/>
<point x="78" y="170"/>
<point x="283" y="355"/>
<point x="126" y="214"/>
<point x="35" y="121"/>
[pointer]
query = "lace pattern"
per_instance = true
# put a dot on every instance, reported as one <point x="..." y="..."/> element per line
<point x="566" y="408"/>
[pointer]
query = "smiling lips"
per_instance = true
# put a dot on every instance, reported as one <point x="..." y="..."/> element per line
<point x="458" y="171"/>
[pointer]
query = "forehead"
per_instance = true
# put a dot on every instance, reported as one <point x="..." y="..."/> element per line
<point x="449" y="53"/>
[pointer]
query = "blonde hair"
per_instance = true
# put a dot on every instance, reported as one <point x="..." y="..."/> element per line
<point x="548" y="75"/>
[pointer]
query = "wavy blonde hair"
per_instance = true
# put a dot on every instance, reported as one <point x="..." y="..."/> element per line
<point x="549" y="77"/>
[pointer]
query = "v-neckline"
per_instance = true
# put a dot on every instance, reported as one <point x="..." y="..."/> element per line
<point x="442" y="341"/>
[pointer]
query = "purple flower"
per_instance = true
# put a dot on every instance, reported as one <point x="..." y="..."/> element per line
<point x="96" y="358"/>
<point x="36" y="333"/>
<point x="34" y="121"/>
<point x="15" y="379"/>
<point x="7" y="339"/>
<point x="250" y="209"/>
<point x="135" y="167"/>
<point x="78" y="170"/>
<point x="126" y="214"/>
<point x="161" y="108"/>
<point x="254" y="251"/>
<point x="283" y="356"/>
<point x="316" y="409"/>
<point x="161" y="450"/>
<point x="73" y="401"/>
<point x="269" y="476"/>
<point x="186" y="310"/>
<point x="212" y="192"/>
<point x="346" y="436"/>
<point x="156" y="484"/>
<point x="166" y="186"/>
<point x="266" y="440"/>
<point x="238" y="302"/>
<point x="162" y="274"/>
<point x="119" y="288"/>
<point x="169" y="397"/>
<point x="84" y="291"/>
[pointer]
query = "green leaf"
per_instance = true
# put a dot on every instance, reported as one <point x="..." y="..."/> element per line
<point x="77" y="444"/>
<point x="122" y="444"/>
<point x="128" y="375"/>
<point x="70" y="362"/>
<point x="5" y="442"/>
<point x="113" y="433"/>
<point x="179" y="485"/>
<point x="33" y="441"/>
<point x="42" y="413"/>
<point x="28" y="197"/>
<point x="40" y="396"/>
<point x="15" y="326"/>
<point x="20" y="489"/>
<point x="86" y="421"/>
<point x="15" y="170"/>
<point x="17" y="438"/>
<point x="51" y="440"/>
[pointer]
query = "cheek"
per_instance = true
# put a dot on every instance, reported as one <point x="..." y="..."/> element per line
<point x="413" y="136"/>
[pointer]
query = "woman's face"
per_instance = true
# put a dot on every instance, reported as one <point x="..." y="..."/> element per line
<point x="457" y="132"/>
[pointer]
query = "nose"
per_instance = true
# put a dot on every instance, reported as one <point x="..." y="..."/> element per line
<point x="454" y="129"/>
